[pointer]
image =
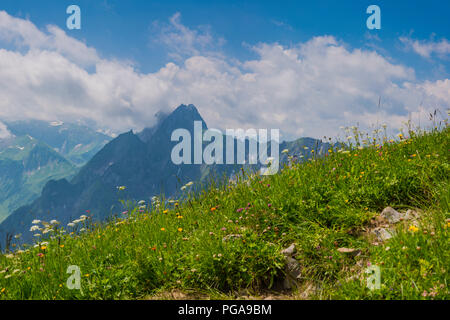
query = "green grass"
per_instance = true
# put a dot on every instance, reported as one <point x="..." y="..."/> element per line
<point x="229" y="237"/>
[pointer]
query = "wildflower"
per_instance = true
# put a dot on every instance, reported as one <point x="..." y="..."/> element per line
<point x="17" y="236"/>
<point x="34" y="228"/>
<point x="418" y="248"/>
<point x="285" y="151"/>
<point x="180" y="229"/>
<point x="190" y="183"/>
<point x="83" y="217"/>
<point x="165" y="211"/>
<point x="269" y="205"/>
<point x="413" y="228"/>
<point x="54" y="222"/>
<point x="125" y="212"/>
<point x="213" y="209"/>
<point x="61" y="246"/>
<point x="121" y="188"/>
<point x="3" y="290"/>
<point x="40" y="254"/>
<point x="142" y="202"/>
<point x="36" y="221"/>
<point x="71" y="224"/>
<point x="43" y="247"/>
<point x="163" y="229"/>
<point x="224" y="229"/>
<point x="239" y="210"/>
<point x="183" y="188"/>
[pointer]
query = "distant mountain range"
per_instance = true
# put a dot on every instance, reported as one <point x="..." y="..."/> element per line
<point x="76" y="142"/>
<point x="37" y="152"/>
<point x="141" y="162"/>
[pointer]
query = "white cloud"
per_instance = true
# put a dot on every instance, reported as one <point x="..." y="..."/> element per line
<point x="4" y="132"/>
<point x="24" y="34"/>
<point x="183" y="42"/>
<point x="311" y="88"/>
<point x="427" y="48"/>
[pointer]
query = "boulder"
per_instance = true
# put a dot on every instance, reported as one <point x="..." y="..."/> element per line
<point x="383" y="234"/>
<point x="391" y="215"/>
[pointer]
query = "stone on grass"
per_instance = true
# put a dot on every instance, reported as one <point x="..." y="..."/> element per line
<point x="391" y="215"/>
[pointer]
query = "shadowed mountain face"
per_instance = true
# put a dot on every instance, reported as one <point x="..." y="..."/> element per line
<point x="140" y="162"/>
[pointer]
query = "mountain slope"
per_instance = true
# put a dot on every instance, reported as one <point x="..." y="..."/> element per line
<point x="312" y="227"/>
<point x="26" y="165"/>
<point x="143" y="165"/>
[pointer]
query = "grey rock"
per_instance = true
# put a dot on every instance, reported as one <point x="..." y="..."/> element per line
<point x="289" y="251"/>
<point x="383" y="234"/>
<point x="391" y="215"/>
<point x="411" y="215"/>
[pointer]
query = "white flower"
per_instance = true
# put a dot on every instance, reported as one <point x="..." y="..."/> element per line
<point x="182" y="188"/>
<point x="82" y="229"/>
<point x="190" y="183"/>
<point x="45" y="243"/>
<point x="34" y="228"/>
<point x="285" y="151"/>
<point x="71" y="224"/>
<point x="36" y="221"/>
<point x="54" y="222"/>
<point x="36" y="235"/>
<point x="77" y="221"/>
<point x="17" y="236"/>
<point x="142" y="202"/>
<point x="47" y="231"/>
<point x="83" y="217"/>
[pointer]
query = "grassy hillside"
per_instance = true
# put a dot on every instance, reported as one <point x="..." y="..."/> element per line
<point x="227" y="241"/>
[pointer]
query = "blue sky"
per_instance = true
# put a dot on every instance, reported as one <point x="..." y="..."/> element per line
<point x="123" y="29"/>
<point x="227" y="42"/>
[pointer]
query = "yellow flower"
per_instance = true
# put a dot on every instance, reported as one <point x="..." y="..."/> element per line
<point x="180" y="229"/>
<point x="43" y="247"/>
<point x="87" y="275"/>
<point x="413" y="228"/>
<point x="163" y="229"/>
<point x="3" y="290"/>
<point x="213" y="209"/>
<point x="165" y="211"/>
<point x="61" y="246"/>
<point x="179" y="217"/>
